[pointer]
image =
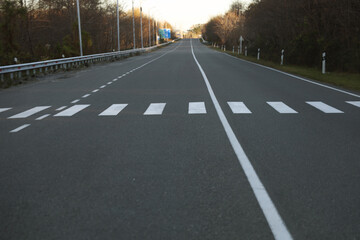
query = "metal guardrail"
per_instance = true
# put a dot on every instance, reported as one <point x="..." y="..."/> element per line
<point x="67" y="62"/>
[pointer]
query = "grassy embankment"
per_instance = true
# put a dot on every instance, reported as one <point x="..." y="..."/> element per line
<point x="349" y="81"/>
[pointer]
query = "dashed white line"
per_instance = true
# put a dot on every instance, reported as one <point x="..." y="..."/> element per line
<point x="43" y="116"/>
<point x="29" y="112"/>
<point x="109" y="83"/>
<point x="239" y="108"/>
<point x="96" y="90"/>
<point x="272" y="216"/>
<point x="20" y="128"/>
<point x="72" y="110"/>
<point x="197" y="108"/>
<point x="61" y="108"/>
<point x="155" y="109"/>
<point x="324" y="107"/>
<point x="281" y="107"/>
<point x="86" y="95"/>
<point x="75" y="101"/>
<point x="103" y="86"/>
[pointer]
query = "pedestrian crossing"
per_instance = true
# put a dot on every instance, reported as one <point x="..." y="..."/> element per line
<point x="159" y="109"/>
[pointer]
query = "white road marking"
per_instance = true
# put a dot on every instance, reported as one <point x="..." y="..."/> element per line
<point x="86" y="95"/>
<point x="96" y="90"/>
<point x="72" y="110"/>
<point x="43" y="116"/>
<point x="29" y="112"/>
<point x="123" y="75"/>
<point x="4" y="109"/>
<point x="155" y="109"/>
<point x="60" y="108"/>
<point x="324" y="107"/>
<point x="75" y="101"/>
<point x="293" y="76"/>
<point x="355" y="103"/>
<point x="272" y="216"/>
<point x="20" y="128"/>
<point x="114" y="79"/>
<point x="113" y="110"/>
<point x="197" y="108"/>
<point x="103" y="86"/>
<point x="281" y="107"/>
<point x="109" y="83"/>
<point x="239" y="108"/>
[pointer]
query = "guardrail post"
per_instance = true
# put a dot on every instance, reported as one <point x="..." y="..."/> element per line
<point x="11" y="76"/>
<point x="34" y="71"/>
<point x="19" y="74"/>
<point x="2" y="77"/>
<point x="27" y="72"/>
<point x="40" y="70"/>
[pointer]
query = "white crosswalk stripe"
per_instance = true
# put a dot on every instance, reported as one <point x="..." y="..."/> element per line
<point x="197" y="108"/>
<point x="29" y="112"/>
<point x="4" y="109"/>
<point x="281" y="107"/>
<point x="155" y="109"/>
<point x="20" y="128"/>
<point x="239" y="108"/>
<point x="113" y="110"/>
<point x="324" y="107"/>
<point x="355" y="103"/>
<point x="72" y="110"/>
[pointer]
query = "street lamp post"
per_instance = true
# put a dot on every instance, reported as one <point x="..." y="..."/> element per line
<point x="118" y="24"/>
<point x="79" y="24"/>
<point x="133" y="23"/>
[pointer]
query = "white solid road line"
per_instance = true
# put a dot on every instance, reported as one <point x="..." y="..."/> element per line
<point x="197" y="108"/>
<point x="42" y="117"/>
<point x="113" y="110"/>
<point x="20" y="128"/>
<point x="294" y="76"/>
<point x="60" y="108"/>
<point x="29" y="112"/>
<point x="155" y="109"/>
<point x="4" y="109"/>
<point x="355" y="103"/>
<point x="324" y="107"/>
<point x="75" y="101"/>
<point x="86" y="95"/>
<point x="272" y="216"/>
<point x="72" y="110"/>
<point x="239" y="108"/>
<point x="281" y="107"/>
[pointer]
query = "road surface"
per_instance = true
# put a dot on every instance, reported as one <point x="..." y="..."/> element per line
<point x="181" y="143"/>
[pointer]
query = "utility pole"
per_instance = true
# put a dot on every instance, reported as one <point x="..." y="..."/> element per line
<point x="133" y="23"/>
<point x="118" y="24"/>
<point x="79" y="23"/>
<point x="142" y="41"/>
<point x="154" y="31"/>
<point x="149" y="32"/>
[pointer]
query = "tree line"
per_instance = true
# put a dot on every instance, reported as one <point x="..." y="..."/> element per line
<point x="303" y="28"/>
<point x="34" y="30"/>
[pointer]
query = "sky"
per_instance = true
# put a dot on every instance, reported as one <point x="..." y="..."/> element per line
<point x="182" y="14"/>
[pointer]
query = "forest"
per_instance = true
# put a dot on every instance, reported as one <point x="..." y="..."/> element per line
<point x="303" y="28"/>
<point x="35" y="30"/>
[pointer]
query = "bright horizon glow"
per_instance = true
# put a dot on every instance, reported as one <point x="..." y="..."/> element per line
<point x="182" y="14"/>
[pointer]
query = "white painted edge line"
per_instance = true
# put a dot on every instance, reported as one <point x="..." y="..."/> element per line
<point x="294" y="76"/>
<point x="272" y="216"/>
<point x="42" y="117"/>
<point x="86" y="95"/>
<point x="20" y="128"/>
<point x="60" y="108"/>
<point x="103" y="86"/>
<point x="75" y="101"/>
<point x="355" y="103"/>
<point x="96" y="90"/>
<point x="4" y="109"/>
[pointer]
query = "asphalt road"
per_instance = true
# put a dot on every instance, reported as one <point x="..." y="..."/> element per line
<point x="181" y="143"/>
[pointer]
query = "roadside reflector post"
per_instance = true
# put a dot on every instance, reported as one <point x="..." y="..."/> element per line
<point x="233" y="49"/>
<point x="323" y="62"/>
<point x="258" y="55"/>
<point x="282" y="57"/>
<point x="245" y="51"/>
